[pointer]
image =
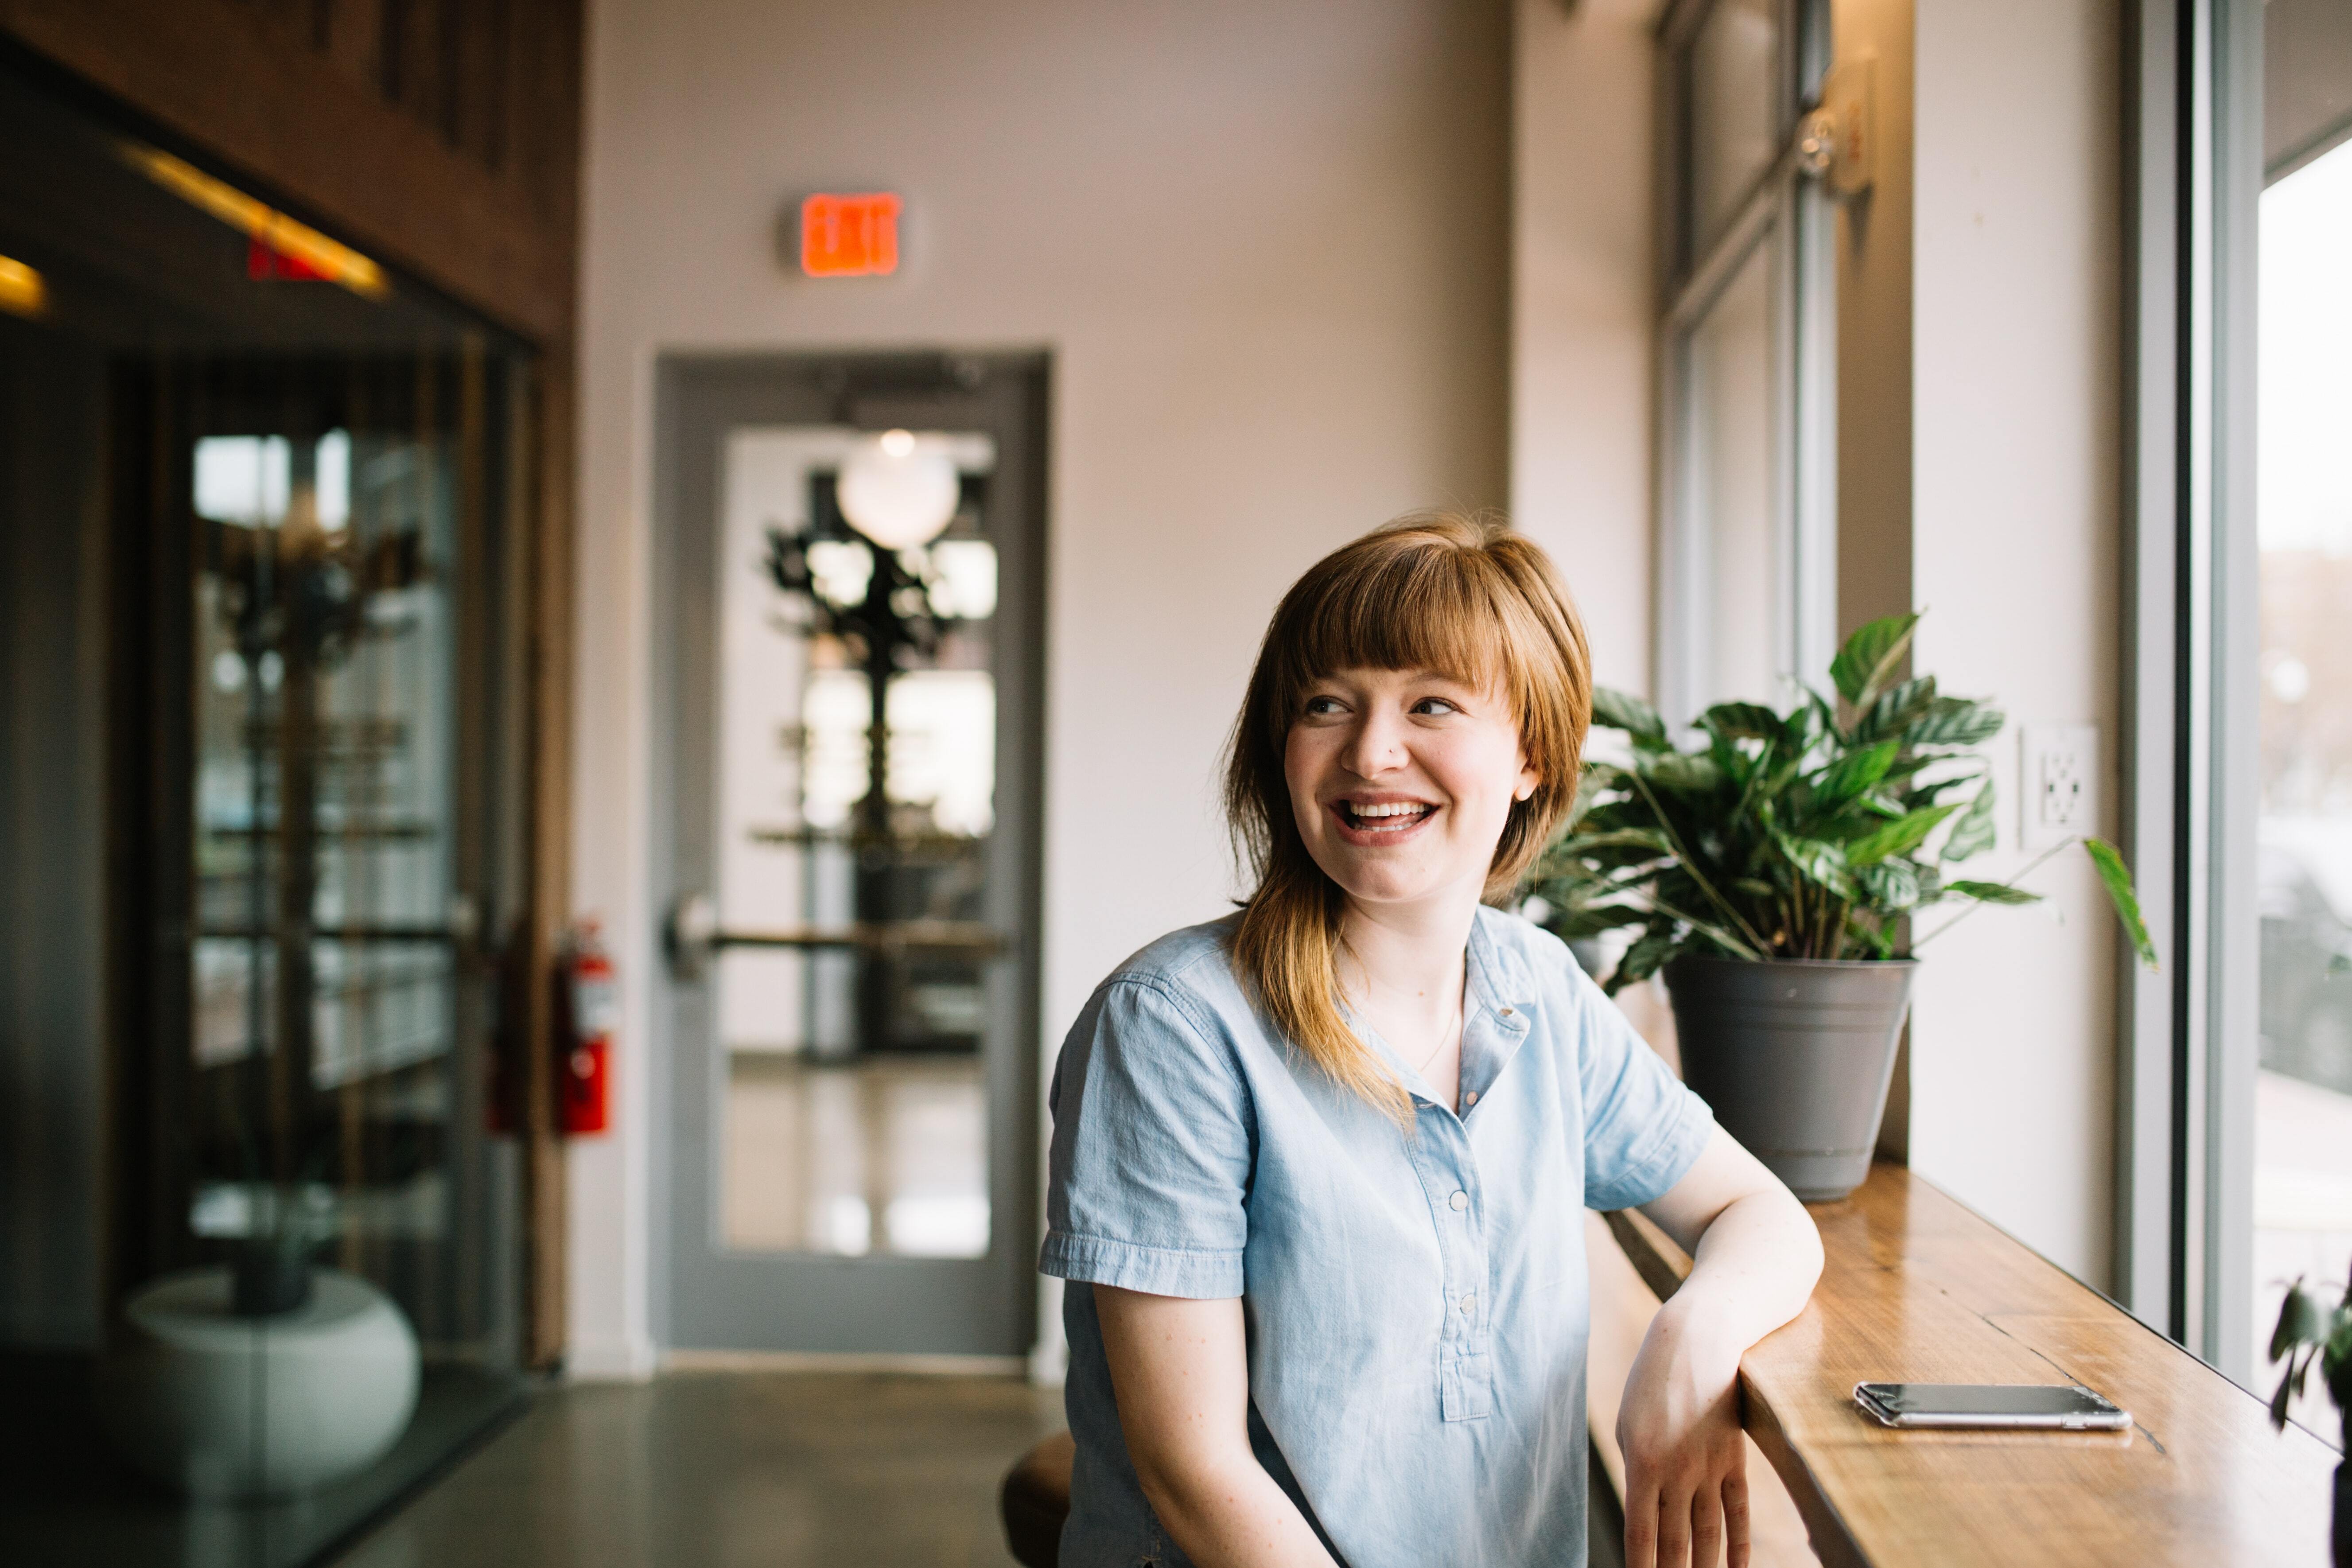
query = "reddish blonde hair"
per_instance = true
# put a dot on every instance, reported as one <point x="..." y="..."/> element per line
<point x="1459" y="595"/>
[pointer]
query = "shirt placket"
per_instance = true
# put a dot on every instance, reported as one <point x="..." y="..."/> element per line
<point x="1449" y="1176"/>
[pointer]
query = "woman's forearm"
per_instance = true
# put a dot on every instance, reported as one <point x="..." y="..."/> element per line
<point x="1754" y="1268"/>
<point x="1180" y="1371"/>
<point x="1230" y="1513"/>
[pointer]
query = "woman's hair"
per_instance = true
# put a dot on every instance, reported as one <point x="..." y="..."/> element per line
<point x="1457" y="594"/>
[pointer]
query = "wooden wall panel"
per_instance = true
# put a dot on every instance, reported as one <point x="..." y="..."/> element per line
<point x="440" y="135"/>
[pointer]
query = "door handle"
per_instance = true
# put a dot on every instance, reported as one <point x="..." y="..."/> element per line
<point x="693" y="933"/>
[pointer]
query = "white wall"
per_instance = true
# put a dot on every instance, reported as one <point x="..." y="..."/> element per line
<point x="1583" y="308"/>
<point x="1266" y="246"/>
<point x="2016" y="444"/>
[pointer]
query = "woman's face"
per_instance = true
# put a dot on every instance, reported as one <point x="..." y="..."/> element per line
<point x="1402" y="781"/>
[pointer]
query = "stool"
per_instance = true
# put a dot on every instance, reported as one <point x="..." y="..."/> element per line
<point x="1036" y="1499"/>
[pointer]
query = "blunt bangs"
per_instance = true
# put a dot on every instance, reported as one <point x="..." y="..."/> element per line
<point x="1410" y="602"/>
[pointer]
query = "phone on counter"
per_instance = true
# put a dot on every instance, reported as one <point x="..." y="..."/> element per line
<point x="2061" y="1408"/>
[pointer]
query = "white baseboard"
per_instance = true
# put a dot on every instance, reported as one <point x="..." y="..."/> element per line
<point x="612" y="1360"/>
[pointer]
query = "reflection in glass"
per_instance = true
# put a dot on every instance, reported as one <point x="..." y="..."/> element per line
<point x="2303" y="1106"/>
<point x="1734" y="107"/>
<point x="1730" y="475"/>
<point x="855" y="1114"/>
<point x="271" y="520"/>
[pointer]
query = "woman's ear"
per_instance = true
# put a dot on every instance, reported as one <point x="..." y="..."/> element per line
<point x="1525" y="788"/>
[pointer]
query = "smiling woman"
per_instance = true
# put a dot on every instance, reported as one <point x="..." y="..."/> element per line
<point x="1320" y="1163"/>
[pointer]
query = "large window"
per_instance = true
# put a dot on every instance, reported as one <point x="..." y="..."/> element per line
<point x="2300" y="1220"/>
<point x="1748" y="525"/>
<point x="2235" y="1131"/>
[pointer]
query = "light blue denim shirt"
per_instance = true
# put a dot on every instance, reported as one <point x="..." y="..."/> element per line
<point x="1416" y="1307"/>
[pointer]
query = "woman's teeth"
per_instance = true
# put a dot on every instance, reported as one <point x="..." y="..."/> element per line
<point x="1389" y="817"/>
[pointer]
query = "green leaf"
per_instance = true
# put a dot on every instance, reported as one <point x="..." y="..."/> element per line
<point x="1895" y="709"/>
<point x="1644" y="958"/>
<point x="1974" y="833"/>
<point x="1891" y="885"/>
<point x="1854" y="772"/>
<point x="1615" y="710"/>
<point x="1817" y="859"/>
<point x="1870" y="658"/>
<point x="2287" y="1381"/>
<point x="1742" y="721"/>
<point x="1900" y="837"/>
<point x="2117" y="878"/>
<point x="2300" y="1323"/>
<point x="1956" y="721"/>
<point x="1991" y="892"/>
<point x="1593" y="919"/>
<point x="1685" y="774"/>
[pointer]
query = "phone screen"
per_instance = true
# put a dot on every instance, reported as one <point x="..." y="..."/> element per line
<point x="1986" y="1403"/>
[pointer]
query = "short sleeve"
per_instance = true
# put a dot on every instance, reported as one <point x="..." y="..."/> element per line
<point x="1642" y="1130"/>
<point x="1148" y="1174"/>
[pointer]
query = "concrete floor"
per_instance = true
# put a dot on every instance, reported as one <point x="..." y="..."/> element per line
<point x="714" y="1470"/>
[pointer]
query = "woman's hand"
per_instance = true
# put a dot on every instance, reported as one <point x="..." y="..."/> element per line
<point x="1754" y="1257"/>
<point x="1685" y="1461"/>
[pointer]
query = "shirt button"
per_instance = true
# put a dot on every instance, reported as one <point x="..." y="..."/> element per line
<point x="1470" y="1304"/>
<point x="1470" y="1097"/>
<point x="1507" y="1011"/>
<point x="1460" y="1200"/>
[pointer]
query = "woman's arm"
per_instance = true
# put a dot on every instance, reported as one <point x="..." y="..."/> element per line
<point x="1755" y="1256"/>
<point x="1180" y="1371"/>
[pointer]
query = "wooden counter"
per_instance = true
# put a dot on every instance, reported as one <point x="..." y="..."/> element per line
<point x="1919" y="1289"/>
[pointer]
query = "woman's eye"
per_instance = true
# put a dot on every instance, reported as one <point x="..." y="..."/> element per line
<point x="1436" y="705"/>
<point x="1320" y="707"/>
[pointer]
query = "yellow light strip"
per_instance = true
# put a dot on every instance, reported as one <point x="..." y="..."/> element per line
<point x="22" y="292"/>
<point x="339" y="263"/>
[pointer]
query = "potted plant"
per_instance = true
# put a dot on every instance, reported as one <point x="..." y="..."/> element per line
<point x="2309" y="1334"/>
<point x="1770" y="870"/>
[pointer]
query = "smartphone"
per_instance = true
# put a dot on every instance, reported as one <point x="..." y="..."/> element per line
<point x="2065" y="1408"/>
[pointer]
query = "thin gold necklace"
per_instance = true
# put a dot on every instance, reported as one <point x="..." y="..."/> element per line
<point x="1443" y="1035"/>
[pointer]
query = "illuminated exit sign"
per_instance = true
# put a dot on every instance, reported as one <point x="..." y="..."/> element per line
<point x="850" y="237"/>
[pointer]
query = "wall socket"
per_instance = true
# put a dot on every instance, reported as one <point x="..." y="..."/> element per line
<point x="2058" y="784"/>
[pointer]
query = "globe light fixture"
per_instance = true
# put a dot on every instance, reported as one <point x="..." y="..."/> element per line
<point x="897" y="490"/>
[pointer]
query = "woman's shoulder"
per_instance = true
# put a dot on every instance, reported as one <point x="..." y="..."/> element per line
<point x="1527" y="958"/>
<point x="1193" y="964"/>
<point x="1183" y="954"/>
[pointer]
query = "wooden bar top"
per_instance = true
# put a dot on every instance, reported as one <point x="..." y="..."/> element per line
<point x="1919" y="1289"/>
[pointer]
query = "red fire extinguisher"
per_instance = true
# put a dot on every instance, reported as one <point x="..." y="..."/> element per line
<point x="592" y="1009"/>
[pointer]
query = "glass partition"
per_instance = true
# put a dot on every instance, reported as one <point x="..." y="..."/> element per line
<point x="262" y="527"/>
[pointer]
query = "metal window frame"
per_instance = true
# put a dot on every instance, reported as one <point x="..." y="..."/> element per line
<point x="1793" y="217"/>
<point x="2187" y="1032"/>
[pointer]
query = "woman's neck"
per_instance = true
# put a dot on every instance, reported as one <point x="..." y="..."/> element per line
<point x="1407" y="957"/>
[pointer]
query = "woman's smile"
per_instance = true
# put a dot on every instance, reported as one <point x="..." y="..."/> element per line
<point x="1379" y="821"/>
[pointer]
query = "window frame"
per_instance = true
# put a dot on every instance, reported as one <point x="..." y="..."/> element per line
<point x="2187" y="1032"/>
<point x="1793" y="217"/>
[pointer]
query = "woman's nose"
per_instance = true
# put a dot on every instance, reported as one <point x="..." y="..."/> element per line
<point x="1376" y="747"/>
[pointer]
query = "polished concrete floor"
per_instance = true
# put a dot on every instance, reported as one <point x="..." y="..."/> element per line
<point x="717" y="1470"/>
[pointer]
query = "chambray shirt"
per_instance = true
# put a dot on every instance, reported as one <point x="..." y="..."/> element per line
<point x="1416" y="1308"/>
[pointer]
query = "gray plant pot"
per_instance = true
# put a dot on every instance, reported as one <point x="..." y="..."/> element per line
<point x="1794" y="1055"/>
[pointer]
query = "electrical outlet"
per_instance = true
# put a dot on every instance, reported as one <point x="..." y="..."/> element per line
<point x="2058" y="787"/>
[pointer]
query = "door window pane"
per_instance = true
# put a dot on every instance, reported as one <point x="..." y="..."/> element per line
<point x="2303" y="1107"/>
<point x="855" y="1109"/>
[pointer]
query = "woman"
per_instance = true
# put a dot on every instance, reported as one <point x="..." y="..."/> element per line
<point x="1317" y="1167"/>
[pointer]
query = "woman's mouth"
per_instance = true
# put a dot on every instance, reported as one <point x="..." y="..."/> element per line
<point x="1381" y="821"/>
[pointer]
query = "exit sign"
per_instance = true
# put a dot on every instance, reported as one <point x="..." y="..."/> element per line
<point x="850" y="236"/>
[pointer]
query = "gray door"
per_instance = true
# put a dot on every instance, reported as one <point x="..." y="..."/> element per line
<point x="849" y="573"/>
